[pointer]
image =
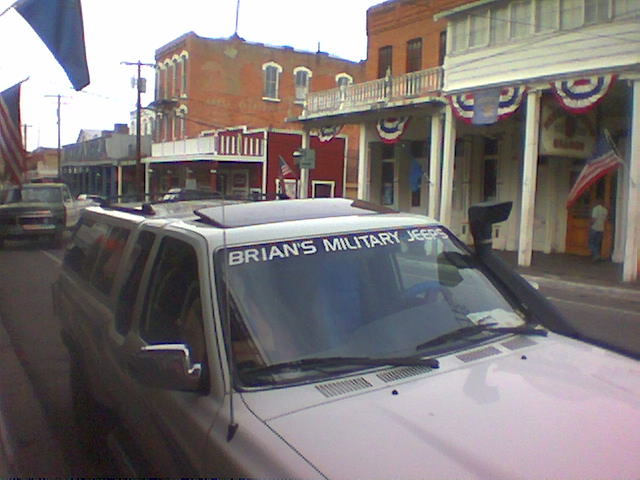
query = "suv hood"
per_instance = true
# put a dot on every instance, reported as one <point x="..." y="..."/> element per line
<point x="561" y="409"/>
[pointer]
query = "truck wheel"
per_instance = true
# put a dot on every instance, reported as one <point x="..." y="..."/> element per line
<point x="93" y="420"/>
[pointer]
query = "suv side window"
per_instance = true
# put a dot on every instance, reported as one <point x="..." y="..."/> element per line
<point x="85" y="246"/>
<point x="173" y="310"/>
<point x="129" y="292"/>
<point x="109" y="259"/>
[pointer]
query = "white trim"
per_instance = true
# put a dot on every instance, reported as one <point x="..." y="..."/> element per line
<point x="303" y="69"/>
<point x="344" y="75"/>
<point x="331" y="183"/>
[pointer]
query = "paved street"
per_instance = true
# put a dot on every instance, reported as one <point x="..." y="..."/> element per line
<point x="49" y="443"/>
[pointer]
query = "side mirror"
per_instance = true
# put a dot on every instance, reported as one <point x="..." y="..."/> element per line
<point x="481" y="217"/>
<point x="166" y="366"/>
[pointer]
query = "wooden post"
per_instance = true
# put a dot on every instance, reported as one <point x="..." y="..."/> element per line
<point x="529" y="175"/>
<point x="435" y="159"/>
<point x="632" y="235"/>
<point x="364" y="164"/>
<point x="448" y="159"/>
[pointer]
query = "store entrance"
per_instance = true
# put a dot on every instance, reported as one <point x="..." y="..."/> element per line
<point x="579" y="216"/>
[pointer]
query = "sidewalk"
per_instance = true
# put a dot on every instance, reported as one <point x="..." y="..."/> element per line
<point x="574" y="272"/>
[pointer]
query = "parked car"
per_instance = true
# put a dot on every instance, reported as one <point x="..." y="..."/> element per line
<point x="37" y="210"/>
<point x="177" y="194"/>
<point x="330" y="338"/>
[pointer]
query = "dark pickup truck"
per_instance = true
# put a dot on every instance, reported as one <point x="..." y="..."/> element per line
<point x="37" y="210"/>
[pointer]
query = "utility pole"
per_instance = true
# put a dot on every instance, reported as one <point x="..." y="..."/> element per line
<point x="140" y="88"/>
<point x="59" y="146"/>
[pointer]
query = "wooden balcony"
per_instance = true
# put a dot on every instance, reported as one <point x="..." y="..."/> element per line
<point x="391" y="91"/>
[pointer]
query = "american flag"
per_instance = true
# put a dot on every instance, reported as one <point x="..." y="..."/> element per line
<point x="285" y="169"/>
<point x="605" y="160"/>
<point x="11" y="150"/>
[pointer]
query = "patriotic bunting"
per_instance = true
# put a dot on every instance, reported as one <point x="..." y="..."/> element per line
<point x="391" y="129"/>
<point x="582" y="94"/>
<point x="327" y="133"/>
<point x="509" y="101"/>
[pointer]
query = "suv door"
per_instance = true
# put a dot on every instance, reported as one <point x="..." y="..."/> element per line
<point x="171" y="426"/>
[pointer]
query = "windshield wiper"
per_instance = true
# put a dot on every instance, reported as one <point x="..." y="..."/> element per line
<point x="323" y="362"/>
<point x="470" y="330"/>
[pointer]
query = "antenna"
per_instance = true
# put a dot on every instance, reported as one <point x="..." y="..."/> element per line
<point x="233" y="426"/>
<point x="235" y="33"/>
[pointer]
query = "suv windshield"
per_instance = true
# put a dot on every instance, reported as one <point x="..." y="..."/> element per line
<point x="34" y="194"/>
<point x="378" y="294"/>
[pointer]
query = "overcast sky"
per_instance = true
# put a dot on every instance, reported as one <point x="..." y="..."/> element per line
<point x="132" y="30"/>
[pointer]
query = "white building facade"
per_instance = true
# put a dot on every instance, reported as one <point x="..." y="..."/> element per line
<point x="576" y="65"/>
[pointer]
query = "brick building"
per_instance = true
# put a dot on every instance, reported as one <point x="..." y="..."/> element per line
<point x="218" y="101"/>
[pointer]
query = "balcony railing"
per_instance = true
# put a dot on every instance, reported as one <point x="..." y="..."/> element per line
<point x="359" y="96"/>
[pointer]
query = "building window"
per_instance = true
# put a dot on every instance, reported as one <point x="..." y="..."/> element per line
<point x="479" y="29"/>
<point x="442" y="52"/>
<point x="302" y="80"/>
<point x="520" y="18"/>
<point x="272" y="73"/>
<point x="546" y="15"/>
<point x="385" y="55"/>
<point x="499" y="28"/>
<point x="596" y="11"/>
<point x="343" y="79"/>
<point x="571" y="13"/>
<point x="323" y="188"/>
<point x="414" y="55"/>
<point x="490" y="170"/>
<point x="184" y="60"/>
<point x="625" y="7"/>
<point x="176" y="77"/>
<point x="459" y="34"/>
<point x="158" y="75"/>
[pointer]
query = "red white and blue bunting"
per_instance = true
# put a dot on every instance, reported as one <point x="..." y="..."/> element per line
<point x="509" y="101"/>
<point x="328" y="132"/>
<point x="582" y="94"/>
<point x="391" y="129"/>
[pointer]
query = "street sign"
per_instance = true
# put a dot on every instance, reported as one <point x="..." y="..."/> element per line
<point x="308" y="159"/>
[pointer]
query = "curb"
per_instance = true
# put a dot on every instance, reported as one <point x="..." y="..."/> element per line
<point x="610" y="291"/>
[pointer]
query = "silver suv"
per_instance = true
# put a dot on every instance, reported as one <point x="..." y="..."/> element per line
<point x="329" y="338"/>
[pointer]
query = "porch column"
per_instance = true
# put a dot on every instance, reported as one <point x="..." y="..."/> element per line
<point x="632" y="214"/>
<point x="529" y="175"/>
<point x="146" y="182"/>
<point x="435" y="158"/>
<point x="119" y="167"/>
<point x="364" y="164"/>
<point x="304" y="172"/>
<point x="448" y="159"/>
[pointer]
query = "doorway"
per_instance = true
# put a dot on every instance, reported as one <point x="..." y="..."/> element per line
<point x="579" y="216"/>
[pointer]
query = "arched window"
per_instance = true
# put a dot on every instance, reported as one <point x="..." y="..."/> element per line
<point x="272" y="73"/>
<point x="184" y="59"/>
<point x="302" y="82"/>
<point x="344" y="79"/>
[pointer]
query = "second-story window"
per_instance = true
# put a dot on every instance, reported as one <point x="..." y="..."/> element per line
<point x="442" y="51"/>
<point x="385" y="57"/>
<point x="302" y="80"/>
<point x="271" y="80"/>
<point x="546" y="15"/>
<point x="343" y="79"/>
<point x="176" y="77"/>
<point x="479" y="29"/>
<point x="571" y="13"/>
<point x="414" y="55"/>
<point x="521" y="18"/>
<point x="184" y="59"/>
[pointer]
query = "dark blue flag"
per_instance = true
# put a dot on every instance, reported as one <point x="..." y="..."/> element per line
<point x="59" y="24"/>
